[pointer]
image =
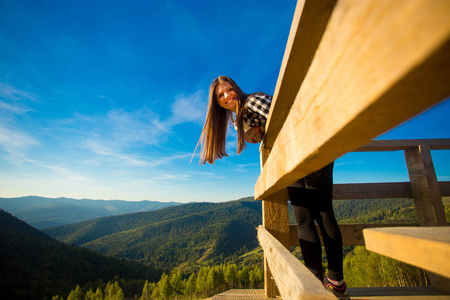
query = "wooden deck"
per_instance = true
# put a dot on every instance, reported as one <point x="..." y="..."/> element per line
<point x="378" y="293"/>
<point x="241" y="294"/>
<point x="397" y="293"/>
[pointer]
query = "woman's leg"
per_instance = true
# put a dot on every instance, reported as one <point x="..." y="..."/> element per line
<point x="309" y="238"/>
<point x="331" y="235"/>
<point x="314" y="202"/>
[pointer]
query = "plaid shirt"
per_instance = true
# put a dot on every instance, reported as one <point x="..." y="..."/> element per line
<point x="257" y="109"/>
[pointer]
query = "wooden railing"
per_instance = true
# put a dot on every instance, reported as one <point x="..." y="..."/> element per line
<point x="351" y="71"/>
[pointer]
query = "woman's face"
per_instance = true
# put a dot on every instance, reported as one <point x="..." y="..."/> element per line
<point x="226" y="95"/>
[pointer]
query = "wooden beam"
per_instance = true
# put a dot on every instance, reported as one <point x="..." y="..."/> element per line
<point x="308" y="25"/>
<point x="352" y="234"/>
<point x="423" y="247"/>
<point x="372" y="190"/>
<point x="380" y="62"/>
<point x="276" y="220"/>
<point x="424" y="186"/>
<point x="444" y="186"/>
<point x="385" y="190"/>
<point x="394" y="145"/>
<point x="293" y="279"/>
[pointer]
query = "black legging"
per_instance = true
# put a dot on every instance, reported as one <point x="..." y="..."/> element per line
<point x="312" y="200"/>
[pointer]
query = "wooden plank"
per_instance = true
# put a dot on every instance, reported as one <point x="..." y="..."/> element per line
<point x="423" y="247"/>
<point x="308" y="25"/>
<point x="406" y="293"/>
<point x="239" y="294"/>
<point x="390" y="190"/>
<point x="413" y="297"/>
<point x="424" y="186"/>
<point x="380" y="63"/>
<point x="444" y="186"/>
<point x="276" y="216"/>
<point x="385" y="190"/>
<point x="375" y="293"/>
<point x="293" y="279"/>
<point x="394" y="145"/>
<point x="276" y="220"/>
<point x="352" y="234"/>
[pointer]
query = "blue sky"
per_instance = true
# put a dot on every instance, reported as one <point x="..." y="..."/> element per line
<point x="106" y="99"/>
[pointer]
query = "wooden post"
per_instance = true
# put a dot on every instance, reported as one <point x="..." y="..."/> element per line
<point x="427" y="198"/>
<point x="424" y="187"/>
<point x="276" y="221"/>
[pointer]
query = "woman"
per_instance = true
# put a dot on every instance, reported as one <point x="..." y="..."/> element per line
<point x="311" y="197"/>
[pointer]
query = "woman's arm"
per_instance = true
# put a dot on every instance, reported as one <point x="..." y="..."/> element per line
<point x="253" y="135"/>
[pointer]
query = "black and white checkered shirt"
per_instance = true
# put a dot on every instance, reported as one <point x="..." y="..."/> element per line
<point x="257" y="109"/>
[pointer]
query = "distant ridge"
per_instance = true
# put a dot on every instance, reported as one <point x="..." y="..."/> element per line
<point x="41" y="212"/>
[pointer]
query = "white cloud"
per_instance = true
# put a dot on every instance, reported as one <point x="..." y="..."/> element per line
<point x="13" y="140"/>
<point x="190" y="108"/>
<point x="138" y="127"/>
<point x="65" y="175"/>
<point x="108" y="99"/>
<point x="112" y="153"/>
<point x="9" y="92"/>
<point x="248" y="165"/>
<point x="119" y="134"/>
<point x="173" y="177"/>
<point x="15" y="109"/>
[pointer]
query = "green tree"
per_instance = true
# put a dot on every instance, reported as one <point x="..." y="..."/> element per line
<point x="163" y="288"/>
<point x="244" y="279"/>
<point x="147" y="291"/>
<point x="212" y="280"/>
<point x="191" y="286"/>
<point x="221" y="284"/>
<point x="76" y="294"/>
<point x="89" y="295"/>
<point x="113" y="291"/>
<point x="156" y="292"/>
<point x="256" y="277"/>
<point x="202" y="286"/>
<point x="231" y="276"/>
<point x="363" y="268"/>
<point x="98" y="294"/>
<point x="177" y="283"/>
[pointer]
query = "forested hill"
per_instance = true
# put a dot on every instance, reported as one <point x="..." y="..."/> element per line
<point x="184" y="234"/>
<point x="42" y="212"/>
<point x="196" y="233"/>
<point x="35" y="266"/>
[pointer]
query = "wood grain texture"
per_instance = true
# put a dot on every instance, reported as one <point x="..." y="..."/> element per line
<point x="382" y="190"/>
<point x="380" y="62"/>
<point x="276" y="220"/>
<point x="423" y="247"/>
<point x="352" y="234"/>
<point x="307" y="28"/>
<point x="394" y="145"/>
<point x="424" y="186"/>
<point x="293" y="279"/>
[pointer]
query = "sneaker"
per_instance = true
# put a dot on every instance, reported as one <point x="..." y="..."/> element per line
<point x="340" y="292"/>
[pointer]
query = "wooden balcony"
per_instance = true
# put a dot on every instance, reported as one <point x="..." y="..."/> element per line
<point x="353" y="70"/>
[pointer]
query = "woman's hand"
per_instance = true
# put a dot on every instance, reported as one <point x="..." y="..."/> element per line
<point x="253" y="135"/>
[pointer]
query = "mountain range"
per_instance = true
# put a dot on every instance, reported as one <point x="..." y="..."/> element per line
<point x="144" y="244"/>
<point x="41" y="212"/>
<point x="182" y="235"/>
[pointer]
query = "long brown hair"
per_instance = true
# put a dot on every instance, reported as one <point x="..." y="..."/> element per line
<point x="214" y="133"/>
